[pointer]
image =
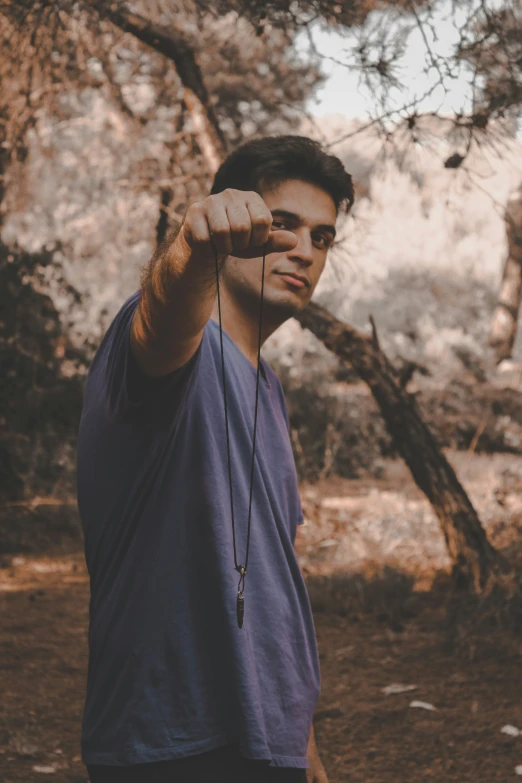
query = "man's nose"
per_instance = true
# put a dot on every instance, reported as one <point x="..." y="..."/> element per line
<point x="303" y="251"/>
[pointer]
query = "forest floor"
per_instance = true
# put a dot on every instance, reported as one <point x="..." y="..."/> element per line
<point x="384" y="614"/>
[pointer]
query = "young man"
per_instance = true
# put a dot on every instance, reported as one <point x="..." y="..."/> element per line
<point x="176" y="691"/>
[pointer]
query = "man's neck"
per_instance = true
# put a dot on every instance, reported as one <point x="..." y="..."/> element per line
<point x="242" y="327"/>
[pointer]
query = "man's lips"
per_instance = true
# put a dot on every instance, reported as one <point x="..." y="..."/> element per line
<point x="297" y="280"/>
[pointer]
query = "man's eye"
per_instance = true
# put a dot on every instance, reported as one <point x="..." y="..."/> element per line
<point x="323" y="239"/>
<point x="278" y="223"/>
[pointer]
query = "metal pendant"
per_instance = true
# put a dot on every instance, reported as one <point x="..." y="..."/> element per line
<point x="240" y="609"/>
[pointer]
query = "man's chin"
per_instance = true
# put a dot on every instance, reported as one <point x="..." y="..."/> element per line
<point x="281" y="308"/>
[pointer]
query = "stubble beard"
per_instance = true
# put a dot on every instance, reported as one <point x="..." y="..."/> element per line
<point x="278" y="306"/>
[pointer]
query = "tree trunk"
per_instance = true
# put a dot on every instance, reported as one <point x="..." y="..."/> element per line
<point x="503" y="329"/>
<point x="475" y="561"/>
<point x="172" y="44"/>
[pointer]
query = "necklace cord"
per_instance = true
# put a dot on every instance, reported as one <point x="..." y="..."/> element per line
<point x="238" y="567"/>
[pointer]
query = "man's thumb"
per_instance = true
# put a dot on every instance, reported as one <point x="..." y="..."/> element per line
<point x="279" y="241"/>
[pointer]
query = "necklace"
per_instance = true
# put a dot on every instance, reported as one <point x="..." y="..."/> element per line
<point x="241" y="569"/>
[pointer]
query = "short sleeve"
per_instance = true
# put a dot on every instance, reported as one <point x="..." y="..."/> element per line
<point x="127" y="386"/>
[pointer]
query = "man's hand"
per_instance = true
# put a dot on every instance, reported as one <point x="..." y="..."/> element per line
<point x="234" y="222"/>
<point x="316" y="773"/>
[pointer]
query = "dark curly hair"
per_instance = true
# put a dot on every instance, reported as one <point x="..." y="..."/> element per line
<point x="269" y="161"/>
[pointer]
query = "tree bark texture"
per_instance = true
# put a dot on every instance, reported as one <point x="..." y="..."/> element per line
<point x="503" y="329"/>
<point x="475" y="560"/>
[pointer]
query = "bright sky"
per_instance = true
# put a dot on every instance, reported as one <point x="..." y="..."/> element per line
<point x="344" y="94"/>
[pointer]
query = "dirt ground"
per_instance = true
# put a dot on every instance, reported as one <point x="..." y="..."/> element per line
<point x="391" y="627"/>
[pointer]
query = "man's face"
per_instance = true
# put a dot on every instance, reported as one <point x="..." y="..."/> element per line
<point x="308" y="212"/>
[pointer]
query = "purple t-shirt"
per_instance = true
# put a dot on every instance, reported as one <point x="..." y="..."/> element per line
<point x="170" y="672"/>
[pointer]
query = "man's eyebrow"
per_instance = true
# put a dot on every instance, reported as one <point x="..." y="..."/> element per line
<point x="298" y="219"/>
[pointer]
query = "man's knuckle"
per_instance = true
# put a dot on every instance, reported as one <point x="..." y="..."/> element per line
<point x="219" y="229"/>
<point x="242" y="228"/>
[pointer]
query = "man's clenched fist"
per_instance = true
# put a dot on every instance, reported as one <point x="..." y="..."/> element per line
<point x="234" y="222"/>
